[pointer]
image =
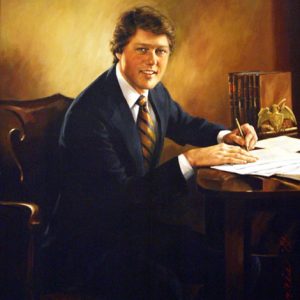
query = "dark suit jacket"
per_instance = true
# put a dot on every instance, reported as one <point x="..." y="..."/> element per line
<point x="102" y="166"/>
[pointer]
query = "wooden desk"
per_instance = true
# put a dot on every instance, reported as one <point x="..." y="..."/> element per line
<point x="239" y="196"/>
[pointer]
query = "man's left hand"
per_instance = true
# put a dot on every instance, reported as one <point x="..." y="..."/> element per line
<point x="248" y="141"/>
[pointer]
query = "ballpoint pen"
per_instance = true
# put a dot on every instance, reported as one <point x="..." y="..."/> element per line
<point x="241" y="131"/>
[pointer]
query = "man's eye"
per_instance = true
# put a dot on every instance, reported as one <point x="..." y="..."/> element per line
<point x="141" y="50"/>
<point x="161" y="52"/>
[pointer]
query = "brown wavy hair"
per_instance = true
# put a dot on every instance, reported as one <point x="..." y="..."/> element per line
<point x="146" y="18"/>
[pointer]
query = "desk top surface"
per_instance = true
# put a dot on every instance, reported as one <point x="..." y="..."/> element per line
<point x="215" y="180"/>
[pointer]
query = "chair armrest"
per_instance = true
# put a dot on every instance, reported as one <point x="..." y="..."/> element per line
<point x="34" y="217"/>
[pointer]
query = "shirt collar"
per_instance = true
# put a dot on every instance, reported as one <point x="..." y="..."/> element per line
<point x="130" y="94"/>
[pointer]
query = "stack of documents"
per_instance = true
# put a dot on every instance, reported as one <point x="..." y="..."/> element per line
<point x="278" y="156"/>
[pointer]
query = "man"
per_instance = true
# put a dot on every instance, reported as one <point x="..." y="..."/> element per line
<point x="104" y="235"/>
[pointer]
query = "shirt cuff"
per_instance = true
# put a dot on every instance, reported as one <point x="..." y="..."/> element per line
<point x="221" y="135"/>
<point x="185" y="167"/>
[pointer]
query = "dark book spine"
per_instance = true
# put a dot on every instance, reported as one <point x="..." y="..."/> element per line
<point x="246" y="98"/>
<point x="235" y="99"/>
<point x="240" y="103"/>
<point x="250" y="98"/>
<point x="231" y="91"/>
<point x="256" y="98"/>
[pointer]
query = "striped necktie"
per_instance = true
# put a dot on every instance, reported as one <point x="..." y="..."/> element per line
<point x="146" y="128"/>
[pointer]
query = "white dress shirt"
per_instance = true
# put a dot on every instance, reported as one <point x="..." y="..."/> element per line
<point x="131" y="96"/>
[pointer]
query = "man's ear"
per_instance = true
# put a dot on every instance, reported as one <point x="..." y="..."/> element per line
<point x="118" y="55"/>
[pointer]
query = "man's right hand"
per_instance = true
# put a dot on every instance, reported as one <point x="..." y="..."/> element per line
<point x="219" y="154"/>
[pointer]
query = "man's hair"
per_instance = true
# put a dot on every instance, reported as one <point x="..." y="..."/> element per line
<point x="145" y="18"/>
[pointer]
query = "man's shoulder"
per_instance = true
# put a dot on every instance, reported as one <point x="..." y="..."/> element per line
<point x="101" y="84"/>
<point x="99" y="91"/>
<point x="97" y="100"/>
<point x="160" y="87"/>
<point x="160" y="91"/>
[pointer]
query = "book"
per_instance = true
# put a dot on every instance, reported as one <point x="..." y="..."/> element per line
<point x="249" y="91"/>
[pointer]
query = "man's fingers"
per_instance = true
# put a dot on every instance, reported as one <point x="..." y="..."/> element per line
<point x="218" y="155"/>
<point x="250" y="136"/>
<point x="236" y="155"/>
<point x="239" y="140"/>
<point x="252" y="142"/>
<point x="248" y="142"/>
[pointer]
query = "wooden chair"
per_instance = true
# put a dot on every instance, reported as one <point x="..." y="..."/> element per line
<point x="29" y="180"/>
<point x="29" y="131"/>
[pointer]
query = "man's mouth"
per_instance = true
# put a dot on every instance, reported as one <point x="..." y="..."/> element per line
<point x="149" y="72"/>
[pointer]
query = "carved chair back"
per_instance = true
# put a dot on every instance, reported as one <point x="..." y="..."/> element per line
<point x="29" y="131"/>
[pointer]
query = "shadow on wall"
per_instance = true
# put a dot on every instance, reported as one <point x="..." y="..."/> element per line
<point x="16" y="74"/>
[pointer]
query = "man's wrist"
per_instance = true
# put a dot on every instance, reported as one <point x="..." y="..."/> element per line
<point x="221" y="134"/>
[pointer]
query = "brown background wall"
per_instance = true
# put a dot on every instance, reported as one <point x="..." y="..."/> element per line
<point x="51" y="46"/>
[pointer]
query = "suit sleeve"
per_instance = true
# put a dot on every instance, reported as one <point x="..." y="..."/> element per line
<point x="186" y="129"/>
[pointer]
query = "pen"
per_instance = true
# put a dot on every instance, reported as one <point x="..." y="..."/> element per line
<point x="240" y="131"/>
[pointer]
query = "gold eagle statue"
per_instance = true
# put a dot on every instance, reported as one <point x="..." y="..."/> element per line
<point x="277" y="118"/>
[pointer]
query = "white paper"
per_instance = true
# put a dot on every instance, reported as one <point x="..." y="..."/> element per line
<point x="278" y="157"/>
<point x="284" y="142"/>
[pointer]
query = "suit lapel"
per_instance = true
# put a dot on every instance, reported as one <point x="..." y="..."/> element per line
<point x="122" y="119"/>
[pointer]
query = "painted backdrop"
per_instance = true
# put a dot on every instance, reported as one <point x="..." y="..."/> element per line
<point x="60" y="46"/>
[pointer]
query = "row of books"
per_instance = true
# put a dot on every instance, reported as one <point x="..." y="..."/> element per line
<point x="253" y="90"/>
<point x="244" y="96"/>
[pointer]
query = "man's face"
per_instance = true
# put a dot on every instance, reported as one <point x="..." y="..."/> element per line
<point x="144" y="59"/>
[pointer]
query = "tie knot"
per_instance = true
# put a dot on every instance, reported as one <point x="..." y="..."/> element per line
<point x="142" y="101"/>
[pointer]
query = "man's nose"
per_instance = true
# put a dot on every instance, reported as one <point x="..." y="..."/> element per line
<point x="151" y="57"/>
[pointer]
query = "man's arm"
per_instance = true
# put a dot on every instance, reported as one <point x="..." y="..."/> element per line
<point x="226" y="153"/>
<point x="185" y="129"/>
